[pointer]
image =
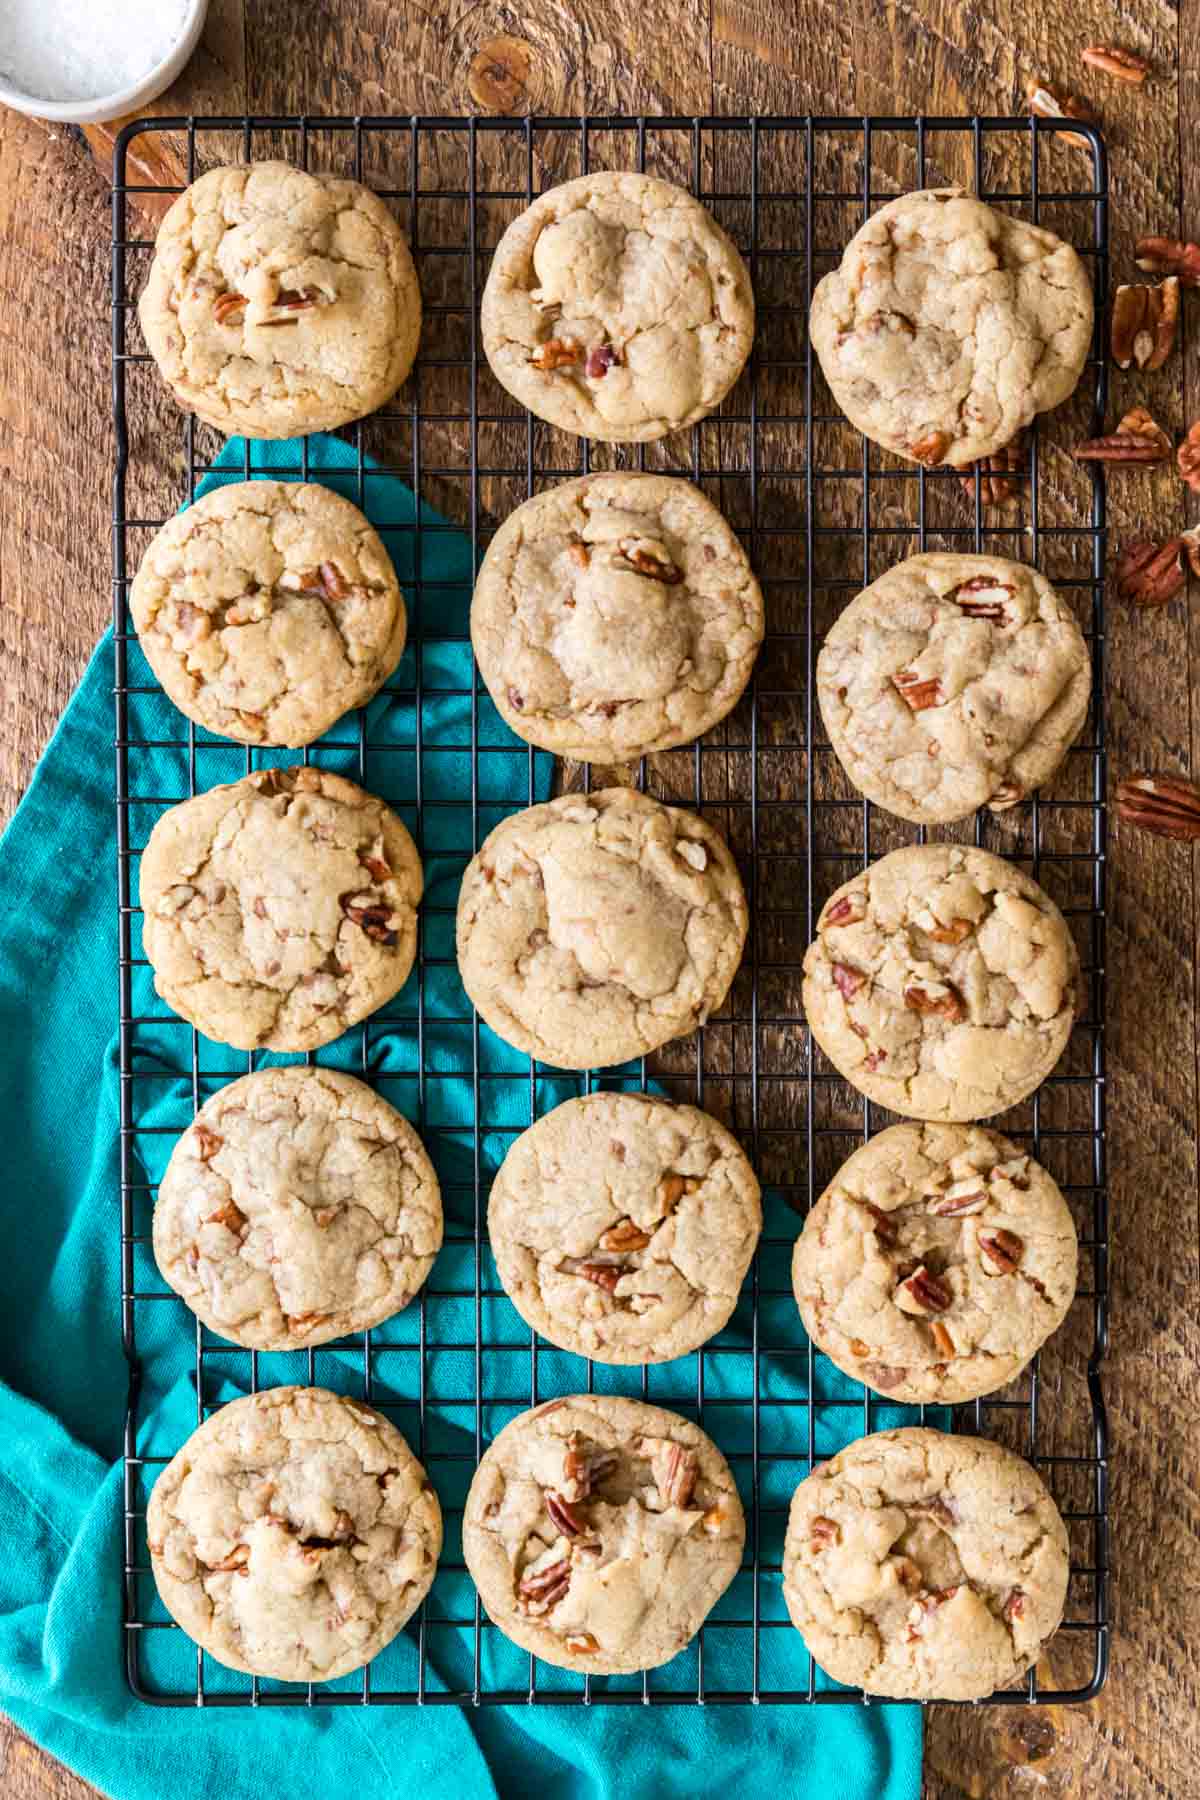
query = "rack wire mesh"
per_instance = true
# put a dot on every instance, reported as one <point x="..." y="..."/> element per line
<point x="821" y="511"/>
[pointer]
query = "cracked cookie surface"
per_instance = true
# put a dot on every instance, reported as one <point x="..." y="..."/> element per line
<point x="623" y="1226"/>
<point x="280" y="302"/>
<point x="280" y="909"/>
<point x="617" y="307"/>
<point x="268" y="609"/>
<point x="601" y="1532"/>
<point x="953" y="682"/>
<point x="923" y="1566"/>
<point x="615" y="615"/>
<point x="948" y="325"/>
<point x="596" y="927"/>
<point x="936" y="1263"/>
<point x="298" y="1206"/>
<point x="294" y="1534"/>
<point x="942" y="983"/>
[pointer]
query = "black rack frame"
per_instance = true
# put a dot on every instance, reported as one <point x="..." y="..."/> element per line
<point x="750" y="1068"/>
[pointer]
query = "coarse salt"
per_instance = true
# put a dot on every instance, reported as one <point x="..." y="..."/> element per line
<point x="85" y="49"/>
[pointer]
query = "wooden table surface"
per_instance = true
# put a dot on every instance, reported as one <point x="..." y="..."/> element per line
<point x="1142" y="1736"/>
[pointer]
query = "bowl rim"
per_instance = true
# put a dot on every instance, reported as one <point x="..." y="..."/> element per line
<point x="96" y="110"/>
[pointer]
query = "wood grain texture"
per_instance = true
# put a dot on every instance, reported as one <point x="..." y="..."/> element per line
<point x="893" y="56"/>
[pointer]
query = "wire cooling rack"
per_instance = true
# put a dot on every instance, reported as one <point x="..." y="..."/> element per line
<point x="821" y="511"/>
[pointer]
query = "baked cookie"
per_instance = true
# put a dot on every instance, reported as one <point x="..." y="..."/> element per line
<point x="618" y="308"/>
<point x="947" y="326"/>
<point x="294" y="1534"/>
<point x="615" y="615"/>
<point x="599" y="926"/>
<point x="927" y="1567"/>
<point x="280" y="909"/>
<point x="267" y="610"/>
<point x="299" y="1206"/>
<point x="953" y="682"/>
<point x="936" y="1263"/>
<point x="942" y="982"/>
<point x="279" y="302"/>
<point x="602" y="1532"/>
<point x="623" y="1226"/>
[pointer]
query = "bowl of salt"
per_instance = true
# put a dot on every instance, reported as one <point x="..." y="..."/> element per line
<point x="81" y="61"/>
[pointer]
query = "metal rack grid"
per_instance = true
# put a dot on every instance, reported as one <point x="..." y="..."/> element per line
<point x="820" y="511"/>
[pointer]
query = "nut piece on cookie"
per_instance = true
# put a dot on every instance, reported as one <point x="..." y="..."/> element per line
<point x="996" y="316"/>
<point x="280" y="302"/>
<point x="620" y="1576"/>
<point x="923" y="1566"/>
<point x="615" y="615"/>
<point x="617" y="307"/>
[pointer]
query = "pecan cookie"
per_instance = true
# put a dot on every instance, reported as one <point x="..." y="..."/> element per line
<point x="294" y="1534"/>
<point x="947" y="326"/>
<point x="936" y="1263"/>
<point x="280" y="302"/>
<point x="618" y="308"/>
<point x="280" y="909"/>
<point x="922" y="1566"/>
<point x="615" y="615"/>
<point x="942" y="982"/>
<point x="602" y="1532"/>
<point x="623" y="1226"/>
<point x="297" y="1207"/>
<point x="953" y="682"/>
<point x="599" y="926"/>
<point x="267" y="610"/>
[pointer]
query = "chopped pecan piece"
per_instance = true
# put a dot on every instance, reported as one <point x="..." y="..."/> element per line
<point x="579" y="553"/>
<point x="1188" y="458"/>
<point x="600" y="359"/>
<point x="556" y="353"/>
<point x="995" y="474"/>
<point x="928" y="1292"/>
<point x="884" y="1376"/>
<point x="624" y="1237"/>
<point x="1151" y="574"/>
<point x="1003" y="1249"/>
<point x="1014" y="1604"/>
<point x="1122" y="65"/>
<point x="333" y="582"/>
<point x="873" y="1058"/>
<point x="236" y="1563"/>
<point x="961" y="1198"/>
<point x="226" y="306"/>
<point x="1137" y="439"/>
<point x="943" y="1342"/>
<point x="1144" y="322"/>
<point x="843" y="912"/>
<point x="1168" y="805"/>
<point x="537" y="1592"/>
<point x="823" y="1532"/>
<point x="673" y="1187"/>
<point x="883" y="1225"/>
<point x="581" y="1642"/>
<point x="858" y="1348"/>
<point x="231" y="1217"/>
<point x="375" y="862"/>
<point x="562" y="1514"/>
<point x="925" y="1606"/>
<point x="929" y="451"/>
<point x="846" y="980"/>
<point x="1169" y="256"/>
<point x="937" y="1507"/>
<point x="713" y="1520"/>
<point x="956" y="932"/>
<point x="1049" y="104"/>
<point x="600" y="1274"/>
<point x="949" y="1005"/>
<point x="253" y="722"/>
<point x="298" y="299"/>
<point x="300" y="1323"/>
<point x="646" y="561"/>
<point x="984" y="597"/>
<point x="582" y="1469"/>
<point x="918" y="694"/>
<point x="374" y="917"/>
<point x="207" y="1142"/>
<point x="673" y="1466"/>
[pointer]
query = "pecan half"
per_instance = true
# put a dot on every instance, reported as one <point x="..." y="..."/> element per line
<point x="1003" y="1249"/>
<point x="624" y="1237"/>
<point x="1151" y="574"/>
<point x="673" y="1466"/>
<point x="956" y="932"/>
<point x="600" y="360"/>
<point x="844" y="912"/>
<point x="846" y="980"/>
<point x="929" y="451"/>
<point x="917" y="694"/>
<point x="562" y="1514"/>
<point x="1188" y="458"/>
<point x="949" y="1005"/>
<point x="1137" y="439"/>
<point x="1169" y="256"/>
<point x="556" y="353"/>
<point x="1167" y="805"/>
<point x="1122" y="65"/>
<point x="823" y="1532"/>
<point x="648" y="562"/>
<point x="207" y="1142"/>
<point x="225" y="306"/>
<point x="1144" y="322"/>
<point x="1047" y="103"/>
<point x="540" y="1591"/>
<point x="995" y="472"/>
<point x="927" y="1292"/>
<point x="983" y="597"/>
<point x="374" y="917"/>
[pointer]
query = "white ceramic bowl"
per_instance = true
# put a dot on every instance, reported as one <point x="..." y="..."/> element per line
<point x="128" y="100"/>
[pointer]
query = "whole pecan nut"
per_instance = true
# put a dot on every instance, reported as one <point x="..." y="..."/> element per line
<point x="1122" y="65"/>
<point x="1047" y="103"/>
<point x="995" y="474"/>
<point x="1137" y="439"/>
<point x="1168" y="805"/>
<point x="1151" y="574"/>
<point x="1003" y="1249"/>
<point x="1169" y="256"/>
<point x="1188" y="458"/>
<point x="1144" y="322"/>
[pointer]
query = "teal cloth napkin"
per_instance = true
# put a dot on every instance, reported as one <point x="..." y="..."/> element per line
<point x="63" y="1375"/>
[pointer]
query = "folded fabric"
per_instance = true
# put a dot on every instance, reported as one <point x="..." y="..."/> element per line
<point x="64" y="1376"/>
